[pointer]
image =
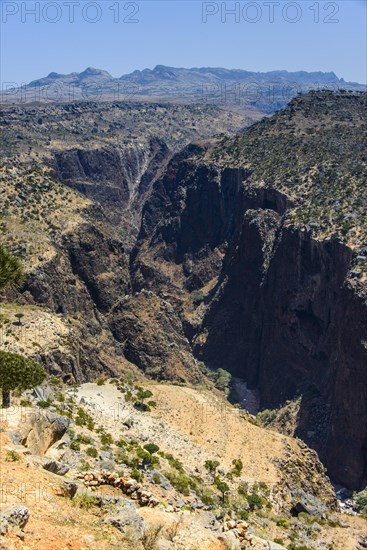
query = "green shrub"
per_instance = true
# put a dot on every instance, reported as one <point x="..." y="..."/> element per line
<point x="360" y="500"/>
<point x="237" y="467"/>
<point x="151" y="448"/>
<point x="43" y="404"/>
<point x="266" y="416"/>
<point x="85" y="501"/>
<point x="181" y="482"/>
<point x="106" y="439"/>
<point x="156" y="478"/>
<point x="84" y="419"/>
<point x="12" y="456"/>
<point x="85" y="439"/>
<point x="138" y="475"/>
<point x="92" y="452"/>
<point x="283" y="522"/>
<point x="17" y="373"/>
<point x="198" y="298"/>
<point x="211" y="465"/>
<point x="255" y="501"/>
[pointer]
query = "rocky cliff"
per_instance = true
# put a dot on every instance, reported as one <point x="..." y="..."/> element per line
<point x="281" y="307"/>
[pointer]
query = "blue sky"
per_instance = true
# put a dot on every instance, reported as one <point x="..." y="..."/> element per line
<point x="120" y="36"/>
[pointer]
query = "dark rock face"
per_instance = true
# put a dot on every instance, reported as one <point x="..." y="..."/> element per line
<point x="87" y="274"/>
<point x="87" y="277"/>
<point x="282" y="314"/>
<point x="291" y="330"/>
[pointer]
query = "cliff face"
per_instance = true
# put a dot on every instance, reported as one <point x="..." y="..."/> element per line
<point x="119" y="177"/>
<point x="280" y="310"/>
<point x="291" y="324"/>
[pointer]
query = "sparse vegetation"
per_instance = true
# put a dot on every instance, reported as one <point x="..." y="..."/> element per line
<point x="12" y="456"/>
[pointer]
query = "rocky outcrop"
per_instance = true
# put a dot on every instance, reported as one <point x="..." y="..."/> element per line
<point x="42" y="429"/>
<point x="152" y="337"/>
<point x="13" y="519"/>
<point x="85" y="276"/>
<point x="282" y="313"/>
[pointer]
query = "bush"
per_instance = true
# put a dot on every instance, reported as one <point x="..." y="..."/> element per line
<point x="151" y="537"/>
<point x="11" y="270"/>
<point x="136" y="474"/>
<point x="12" y="456"/>
<point x="84" y="419"/>
<point x="266" y="416"/>
<point x="198" y="298"/>
<point x="361" y="502"/>
<point x="175" y="463"/>
<point x="92" y="452"/>
<point x="151" y="448"/>
<point x="43" y="404"/>
<point x="181" y="482"/>
<point x="211" y="465"/>
<point x="255" y="501"/>
<point x="85" y="501"/>
<point x="223" y="379"/>
<point x="106" y="439"/>
<point x="75" y="446"/>
<point x="85" y="439"/>
<point x="156" y="478"/>
<point x="237" y="467"/>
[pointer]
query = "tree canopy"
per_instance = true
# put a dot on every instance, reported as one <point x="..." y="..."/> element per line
<point x="18" y="372"/>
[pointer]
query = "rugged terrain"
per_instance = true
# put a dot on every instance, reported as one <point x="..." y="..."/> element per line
<point x="243" y="253"/>
<point x="83" y="452"/>
<point x="261" y="241"/>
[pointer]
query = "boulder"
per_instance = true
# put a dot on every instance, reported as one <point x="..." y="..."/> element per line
<point x="127" y="518"/>
<point x="42" y="429"/>
<point x="51" y="465"/>
<point x="304" y="502"/>
<point x="62" y="487"/>
<point x="13" y="518"/>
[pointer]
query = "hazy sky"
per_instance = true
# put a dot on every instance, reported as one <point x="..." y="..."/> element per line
<point x="121" y="36"/>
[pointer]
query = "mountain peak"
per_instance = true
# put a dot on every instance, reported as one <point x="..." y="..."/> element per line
<point x="91" y="71"/>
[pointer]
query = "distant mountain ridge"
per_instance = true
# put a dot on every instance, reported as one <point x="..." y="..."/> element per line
<point x="257" y="92"/>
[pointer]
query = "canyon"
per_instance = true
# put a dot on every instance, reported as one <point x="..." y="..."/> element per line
<point x="191" y="250"/>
